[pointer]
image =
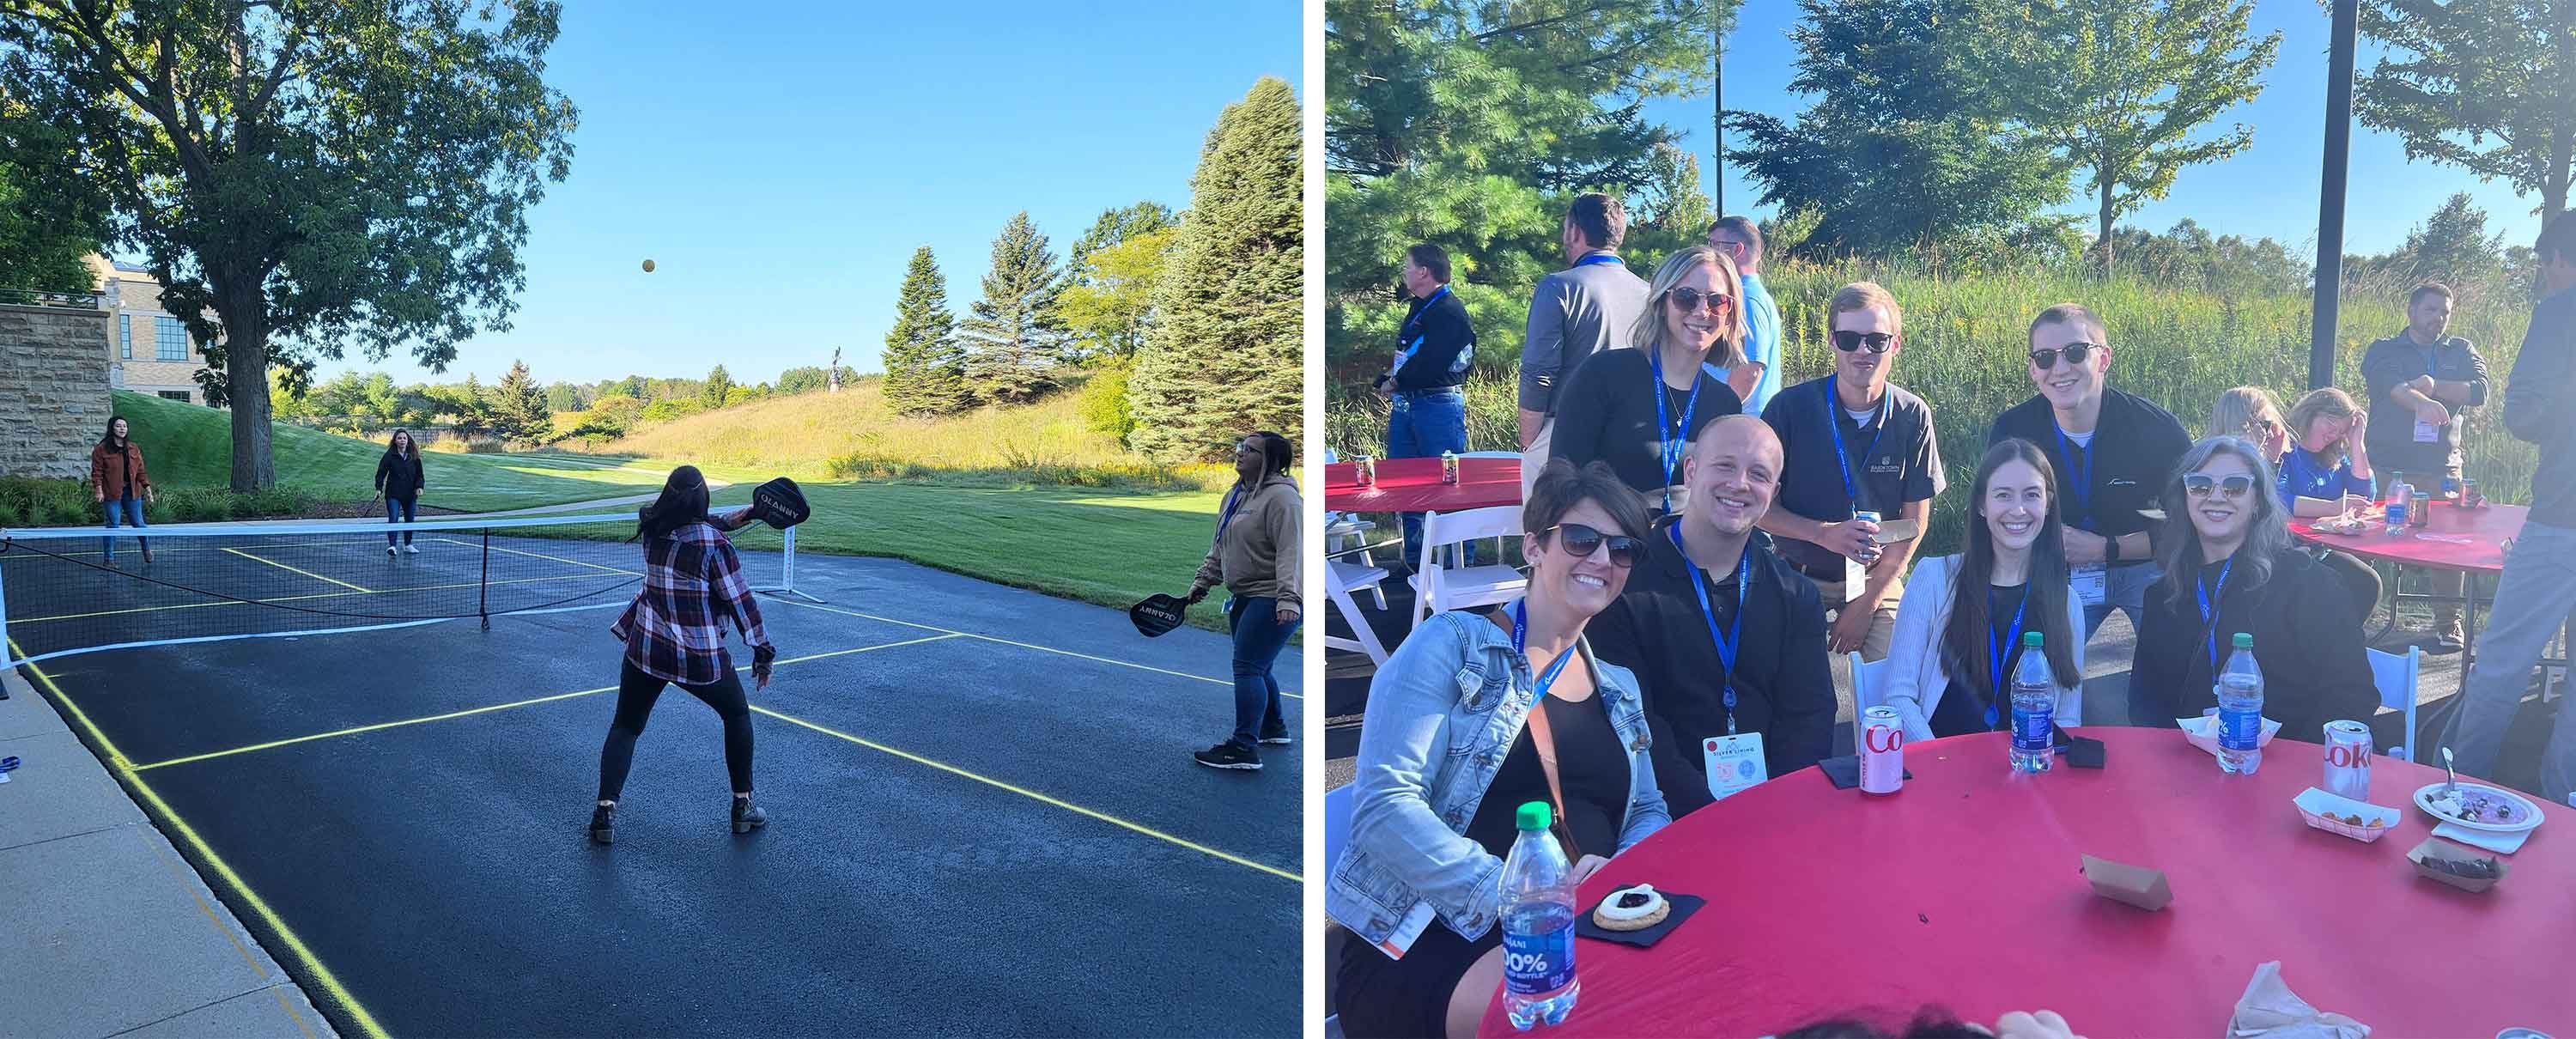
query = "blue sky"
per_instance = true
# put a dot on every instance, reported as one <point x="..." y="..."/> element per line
<point x="779" y="169"/>
<point x="2269" y="190"/>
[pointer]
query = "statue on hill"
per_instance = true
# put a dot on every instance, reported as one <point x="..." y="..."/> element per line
<point x="833" y="375"/>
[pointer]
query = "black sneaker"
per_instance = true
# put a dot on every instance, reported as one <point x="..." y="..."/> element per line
<point x="1275" y="734"/>
<point x="1230" y="755"/>
<point x="603" y="824"/>
<point x="747" y="816"/>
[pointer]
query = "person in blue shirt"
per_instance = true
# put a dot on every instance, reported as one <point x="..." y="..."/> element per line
<point x="2325" y="470"/>
<point x="1757" y="376"/>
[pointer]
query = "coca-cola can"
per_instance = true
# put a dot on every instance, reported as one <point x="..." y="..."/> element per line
<point x="2348" y="760"/>
<point x="1882" y="751"/>
<point x="1366" y="468"/>
<point x="1448" y="467"/>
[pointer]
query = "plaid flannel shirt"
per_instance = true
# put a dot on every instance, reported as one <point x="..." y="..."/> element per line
<point x="675" y="628"/>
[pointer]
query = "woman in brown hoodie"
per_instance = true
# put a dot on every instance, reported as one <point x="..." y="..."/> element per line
<point x="1255" y="556"/>
<point x="118" y="483"/>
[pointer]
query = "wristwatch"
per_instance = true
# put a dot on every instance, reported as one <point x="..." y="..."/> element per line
<point x="2110" y="549"/>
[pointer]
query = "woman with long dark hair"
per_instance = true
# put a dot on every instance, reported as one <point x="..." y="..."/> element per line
<point x="1255" y="557"/>
<point x="674" y="633"/>
<point x="1639" y="410"/>
<point x="1958" y="636"/>
<point x="398" y="478"/>
<point x="2230" y="567"/>
<point x="120" y="486"/>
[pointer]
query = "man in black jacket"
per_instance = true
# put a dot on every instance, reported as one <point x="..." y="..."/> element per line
<point x="2538" y="589"/>
<point x="1427" y="412"/>
<point x="1727" y="642"/>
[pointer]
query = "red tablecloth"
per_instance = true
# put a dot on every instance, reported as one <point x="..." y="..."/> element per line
<point x="2482" y="551"/>
<point x="1965" y="890"/>
<point x="1413" y="485"/>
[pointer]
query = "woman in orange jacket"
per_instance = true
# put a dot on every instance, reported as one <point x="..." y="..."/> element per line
<point x="118" y="483"/>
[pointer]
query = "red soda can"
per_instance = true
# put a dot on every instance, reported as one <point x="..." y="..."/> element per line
<point x="2348" y="760"/>
<point x="1882" y="751"/>
<point x="1366" y="471"/>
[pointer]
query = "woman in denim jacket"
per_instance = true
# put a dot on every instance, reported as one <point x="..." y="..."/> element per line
<point x="1446" y="755"/>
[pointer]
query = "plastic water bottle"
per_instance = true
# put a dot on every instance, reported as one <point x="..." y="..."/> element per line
<point x="2240" y="711"/>
<point x="1538" y="924"/>
<point x="2034" y="709"/>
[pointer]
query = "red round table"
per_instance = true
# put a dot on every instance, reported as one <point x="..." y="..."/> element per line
<point x="2466" y="540"/>
<point x="1965" y="890"/>
<point x="1413" y="485"/>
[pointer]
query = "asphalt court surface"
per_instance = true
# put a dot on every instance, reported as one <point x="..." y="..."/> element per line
<point x="986" y="820"/>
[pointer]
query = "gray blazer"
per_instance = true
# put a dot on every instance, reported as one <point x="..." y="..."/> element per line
<point x="1574" y="312"/>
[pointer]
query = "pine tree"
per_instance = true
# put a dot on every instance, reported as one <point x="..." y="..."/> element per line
<point x="519" y="406"/>
<point x="1016" y="339"/>
<point x="719" y="388"/>
<point x="1225" y="356"/>
<point x="925" y="365"/>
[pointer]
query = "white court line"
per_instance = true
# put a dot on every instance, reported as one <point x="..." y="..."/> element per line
<point x="1023" y="645"/>
<point x="388" y="626"/>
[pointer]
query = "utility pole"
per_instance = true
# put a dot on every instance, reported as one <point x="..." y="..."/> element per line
<point x="2330" y="197"/>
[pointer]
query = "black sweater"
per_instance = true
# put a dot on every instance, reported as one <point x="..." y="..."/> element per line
<point x="399" y="476"/>
<point x="1606" y="413"/>
<point x="2306" y="640"/>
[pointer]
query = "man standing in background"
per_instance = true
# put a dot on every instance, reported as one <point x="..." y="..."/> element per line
<point x="1427" y="412"/>
<point x="1587" y="307"/>
<point x="1758" y="378"/>
<point x="2430" y="379"/>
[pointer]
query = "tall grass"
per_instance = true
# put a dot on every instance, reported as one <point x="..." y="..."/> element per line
<point x="1965" y="337"/>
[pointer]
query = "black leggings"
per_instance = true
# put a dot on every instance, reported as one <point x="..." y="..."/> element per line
<point x="636" y="692"/>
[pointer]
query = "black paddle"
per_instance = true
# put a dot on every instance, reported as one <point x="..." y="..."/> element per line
<point x="780" y="504"/>
<point x="1156" y="615"/>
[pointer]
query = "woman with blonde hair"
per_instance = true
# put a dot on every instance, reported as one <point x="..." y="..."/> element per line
<point x="1638" y="410"/>
<point x="2325" y="470"/>
<point x="2250" y="413"/>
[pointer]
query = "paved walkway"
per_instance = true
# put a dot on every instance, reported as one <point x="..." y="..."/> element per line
<point x="110" y="932"/>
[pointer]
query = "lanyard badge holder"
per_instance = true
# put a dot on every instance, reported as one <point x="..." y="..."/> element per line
<point x="1671" y="438"/>
<point x="2091" y="581"/>
<point x="1735" y="761"/>
<point x="1856" y="572"/>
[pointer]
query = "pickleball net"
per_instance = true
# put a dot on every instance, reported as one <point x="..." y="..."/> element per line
<point x="62" y="594"/>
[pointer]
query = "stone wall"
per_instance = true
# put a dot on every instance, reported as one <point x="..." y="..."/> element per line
<point x="53" y="391"/>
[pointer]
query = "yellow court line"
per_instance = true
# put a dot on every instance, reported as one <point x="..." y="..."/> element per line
<point x="307" y="573"/>
<point x="304" y="954"/>
<point x="471" y="711"/>
<point x="541" y="555"/>
<point x="291" y="598"/>
<point x="1036" y="796"/>
<point x="1024" y="645"/>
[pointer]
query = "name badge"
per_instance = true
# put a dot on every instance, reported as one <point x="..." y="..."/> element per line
<point x="2092" y="583"/>
<point x="1735" y="763"/>
<point x="2426" y="432"/>
<point x="1855" y="578"/>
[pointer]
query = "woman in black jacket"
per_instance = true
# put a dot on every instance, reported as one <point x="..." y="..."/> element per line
<point x="398" y="478"/>
<point x="1639" y="410"/>
<point x="2224" y="548"/>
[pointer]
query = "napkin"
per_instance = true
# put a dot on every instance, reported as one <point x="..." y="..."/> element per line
<point x="2499" y="843"/>
<point x="2269" y="1009"/>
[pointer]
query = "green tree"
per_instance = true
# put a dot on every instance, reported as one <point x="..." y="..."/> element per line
<point x="300" y="176"/>
<point x="925" y="365"/>
<point x="2453" y="245"/>
<point x="519" y="406"/>
<point x="2485" y="85"/>
<point x="806" y="379"/>
<point x="1670" y="212"/>
<point x="719" y="388"/>
<point x="1225" y="357"/>
<point x="41" y="247"/>
<point x="1109" y="302"/>
<point x="2123" y="88"/>
<point x="1016" y="339"/>
<point x="1115" y="226"/>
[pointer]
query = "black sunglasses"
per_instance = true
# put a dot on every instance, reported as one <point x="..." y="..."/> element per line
<point x="2200" y="485"/>
<point x="1693" y="299"/>
<point x="1877" y="342"/>
<point x="1579" y="541"/>
<point x="2045" y="357"/>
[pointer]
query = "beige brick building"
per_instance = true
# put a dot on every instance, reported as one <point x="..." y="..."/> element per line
<point x="148" y="350"/>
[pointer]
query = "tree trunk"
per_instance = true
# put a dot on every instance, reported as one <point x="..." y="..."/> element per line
<point x="2105" y="240"/>
<point x="246" y="369"/>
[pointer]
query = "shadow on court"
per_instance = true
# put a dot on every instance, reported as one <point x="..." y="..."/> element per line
<point x="985" y="816"/>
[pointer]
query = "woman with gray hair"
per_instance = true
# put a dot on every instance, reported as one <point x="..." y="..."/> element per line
<point x="1638" y="410"/>
<point x="2230" y="567"/>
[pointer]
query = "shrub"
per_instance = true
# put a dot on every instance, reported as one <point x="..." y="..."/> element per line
<point x="1104" y="400"/>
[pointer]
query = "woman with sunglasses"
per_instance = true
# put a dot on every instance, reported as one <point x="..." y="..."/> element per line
<point x="1475" y="715"/>
<point x="1638" y="410"/>
<point x="2230" y="567"/>
<point x="1255" y="557"/>
<point x="1959" y="629"/>
<point x="2307" y="490"/>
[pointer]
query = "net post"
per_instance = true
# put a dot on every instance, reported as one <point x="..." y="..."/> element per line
<point x="483" y="587"/>
<point x="787" y="572"/>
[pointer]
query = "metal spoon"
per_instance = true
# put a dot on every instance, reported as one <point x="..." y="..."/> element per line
<point x="2453" y="786"/>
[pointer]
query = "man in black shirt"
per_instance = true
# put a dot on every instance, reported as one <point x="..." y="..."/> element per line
<point x="2427" y="380"/>
<point x="2538" y="589"/>
<point x="1854" y="443"/>
<point x="1727" y="642"/>
<point x="2112" y="451"/>
<point x="1427" y="412"/>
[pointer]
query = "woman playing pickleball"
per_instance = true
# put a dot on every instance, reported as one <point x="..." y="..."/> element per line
<point x="120" y="486"/>
<point x="674" y="633"/>
<point x="1255" y="557"/>
<point x="398" y="478"/>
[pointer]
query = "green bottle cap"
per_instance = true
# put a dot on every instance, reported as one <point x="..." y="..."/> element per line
<point x="1534" y="816"/>
<point x="2032" y="639"/>
<point x="2244" y="640"/>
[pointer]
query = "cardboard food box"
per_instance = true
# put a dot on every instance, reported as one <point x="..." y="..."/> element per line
<point x="2134" y="885"/>
<point x="2435" y="849"/>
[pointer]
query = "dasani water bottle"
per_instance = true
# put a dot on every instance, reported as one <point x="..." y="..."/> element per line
<point x="2240" y="711"/>
<point x="2034" y="709"/>
<point x="1538" y="924"/>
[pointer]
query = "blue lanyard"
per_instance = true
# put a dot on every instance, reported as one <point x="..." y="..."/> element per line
<point x="1673" y="437"/>
<point x="1995" y="661"/>
<point x="1726" y="643"/>
<point x="1851" y="487"/>
<point x="1520" y="639"/>
<point x="1598" y="258"/>
<point x="1226" y="515"/>
<point x="2209" y="613"/>
<point x="2079" y="472"/>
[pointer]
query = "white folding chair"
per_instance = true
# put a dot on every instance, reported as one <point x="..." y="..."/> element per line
<point x="1442" y="586"/>
<point x="1337" y="823"/>
<point x="1491" y="454"/>
<point x="1341" y="579"/>
<point x="2395" y="676"/>
<point x="1866" y="679"/>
